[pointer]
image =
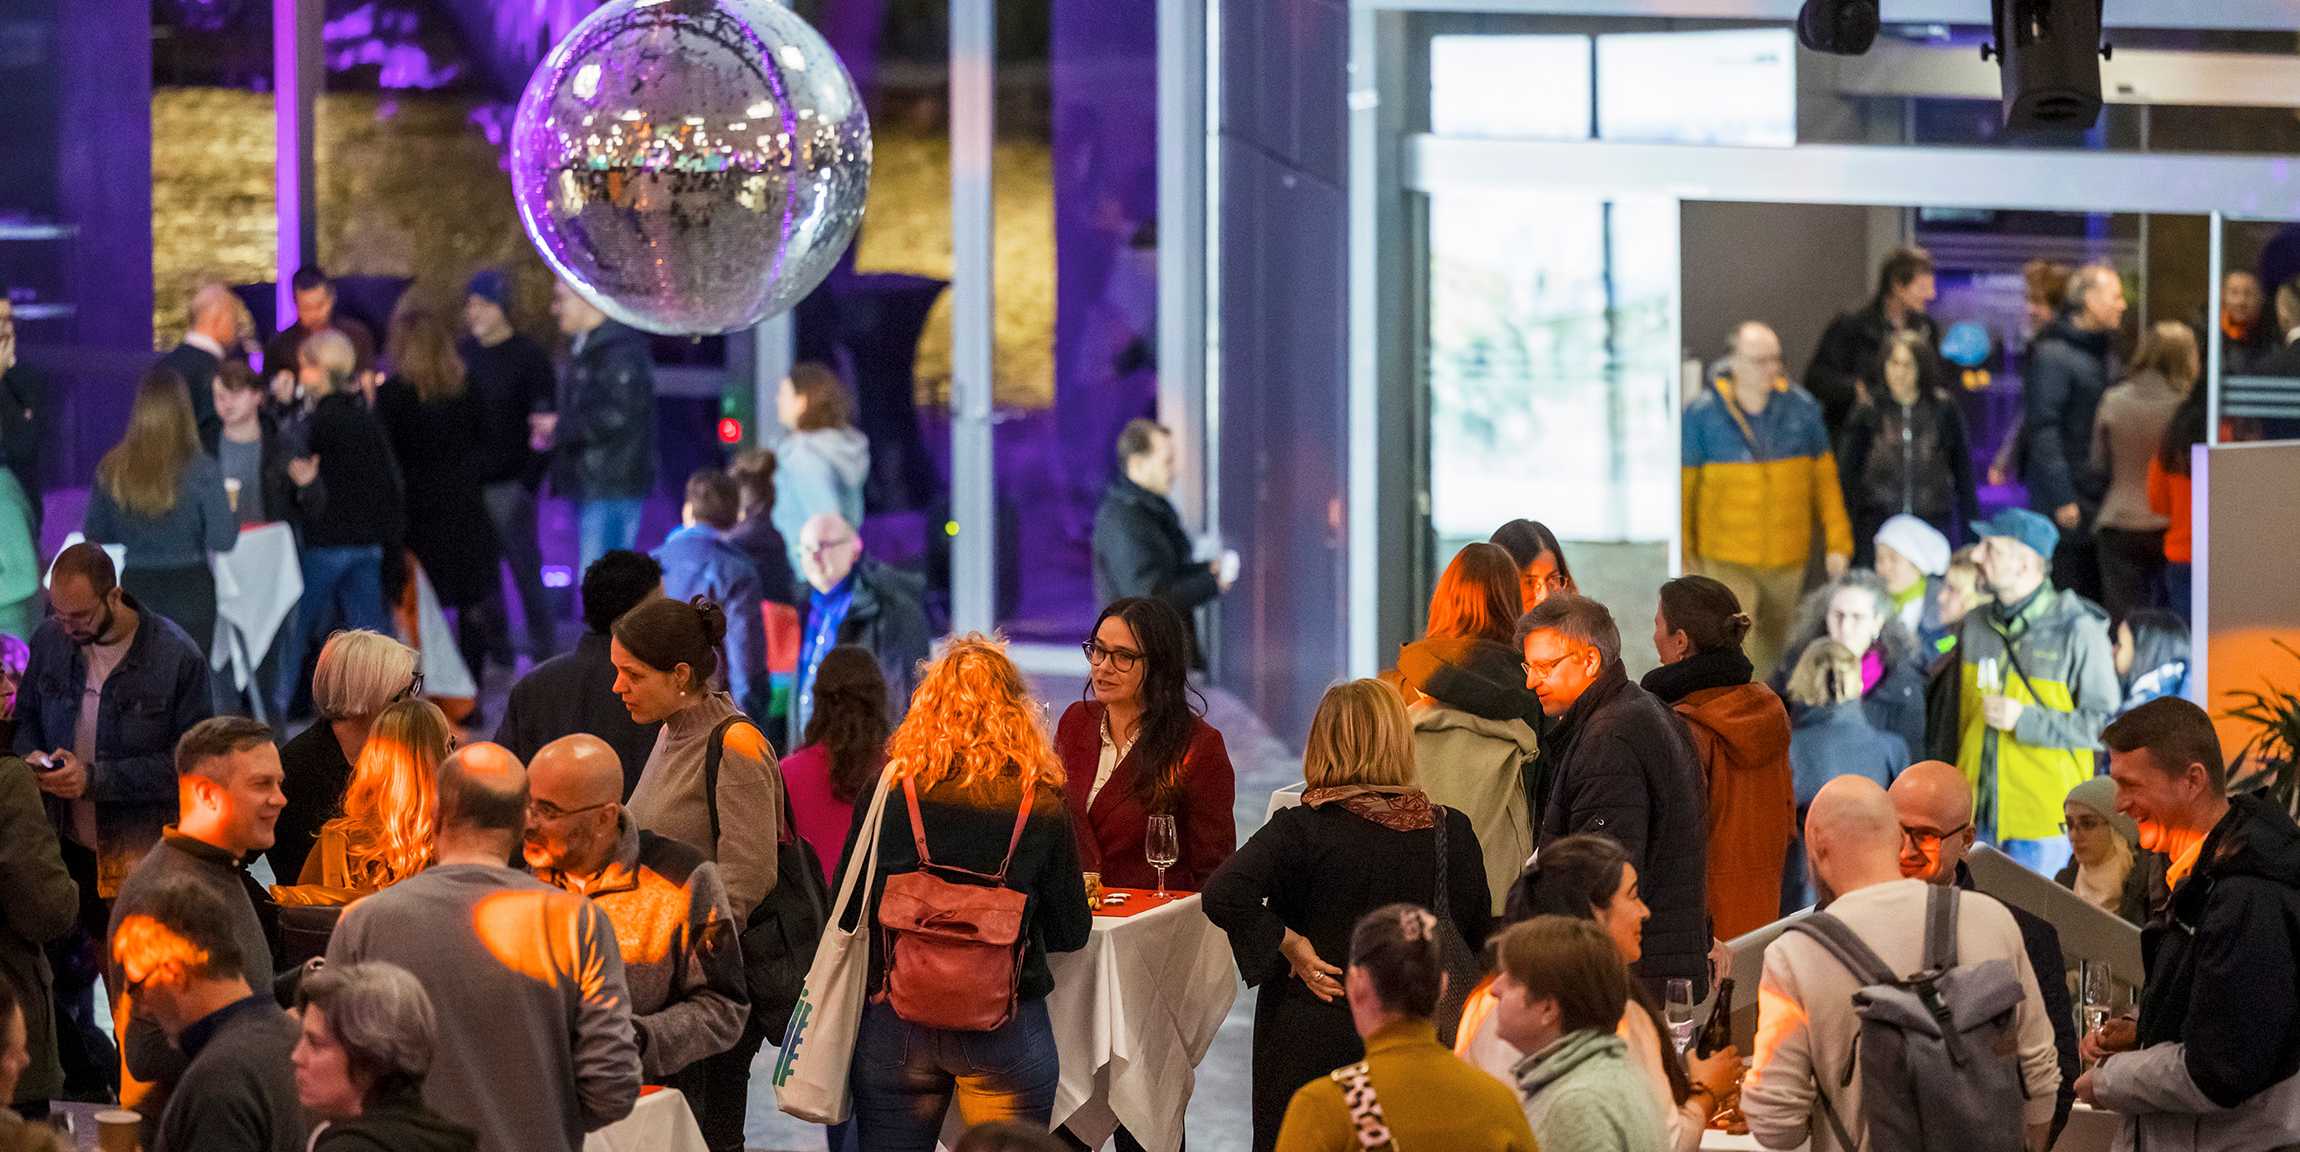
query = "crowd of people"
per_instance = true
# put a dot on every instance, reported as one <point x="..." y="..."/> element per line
<point x="1511" y="867"/>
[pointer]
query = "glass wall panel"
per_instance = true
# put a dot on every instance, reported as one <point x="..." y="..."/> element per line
<point x="1551" y="373"/>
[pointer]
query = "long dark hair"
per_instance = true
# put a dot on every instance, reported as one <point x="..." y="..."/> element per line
<point x="1169" y="719"/>
<point x="849" y="719"/>
<point x="1576" y="876"/>
<point x="2184" y="431"/>
<point x="2159" y="637"/>
<point x="1526" y="540"/>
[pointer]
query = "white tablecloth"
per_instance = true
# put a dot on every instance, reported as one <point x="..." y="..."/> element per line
<point x="1134" y="1012"/>
<point x="258" y="583"/>
<point x="660" y="1122"/>
<point x="2089" y="1130"/>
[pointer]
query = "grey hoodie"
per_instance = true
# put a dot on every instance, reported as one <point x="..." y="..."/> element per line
<point x="1581" y="1095"/>
<point x="817" y="472"/>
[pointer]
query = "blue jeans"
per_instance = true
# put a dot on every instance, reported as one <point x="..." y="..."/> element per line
<point x="2044" y="857"/>
<point x="342" y="587"/>
<point x="603" y="526"/>
<point x="905" y="1076"/>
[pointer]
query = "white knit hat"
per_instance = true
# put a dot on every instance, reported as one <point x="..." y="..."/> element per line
<point x="1919" y="543"/>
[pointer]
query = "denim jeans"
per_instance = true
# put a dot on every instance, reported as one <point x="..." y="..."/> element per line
<point x="905" y="1077"/>
<point x="605" y="525"/>
<point x="511" y="505"/>
<point x="2044" y="857"/>
<point x="342" y="588"/>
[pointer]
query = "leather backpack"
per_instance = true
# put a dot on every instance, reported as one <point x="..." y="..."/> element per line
<point x="954" y="947"/>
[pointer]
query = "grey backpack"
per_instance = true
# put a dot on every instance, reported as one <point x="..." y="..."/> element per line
<point x="1938" y="1051"/>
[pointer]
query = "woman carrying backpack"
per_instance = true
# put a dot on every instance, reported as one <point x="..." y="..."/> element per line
<point x="978" y="798"/>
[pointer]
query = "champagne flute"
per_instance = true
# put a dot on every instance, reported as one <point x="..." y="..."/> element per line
<point x="1677" y="1009"/>
<point x="2096" y="996"/>
<point x="1162" y="846"/>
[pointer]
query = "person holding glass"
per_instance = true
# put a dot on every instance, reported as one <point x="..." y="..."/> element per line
<point x="1365" y="835"/>
<point x="1139" y="753"/>
<point x="1590" y="878"/>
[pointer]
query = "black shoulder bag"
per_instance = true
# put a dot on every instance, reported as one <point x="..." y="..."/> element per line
<point x="779" y="938"/>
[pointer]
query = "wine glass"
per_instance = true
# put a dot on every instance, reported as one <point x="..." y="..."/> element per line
<point x="2096" y="996"/>
<point x="1677" y="1009"/>
<point x="1162" y="846"/>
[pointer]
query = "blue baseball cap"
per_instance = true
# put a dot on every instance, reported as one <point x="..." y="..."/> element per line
<point x="492" y="286"/>
<point x="2020" y="524"/>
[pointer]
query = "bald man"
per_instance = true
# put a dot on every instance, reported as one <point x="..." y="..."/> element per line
<point x="1934" y="803"/>
<point x="535" y="1041"/>
<point x="1806" y="1025"/>
<point x="1758" y="473"/>
<point x="213" y="335"/>
<point x="671" y="920"/>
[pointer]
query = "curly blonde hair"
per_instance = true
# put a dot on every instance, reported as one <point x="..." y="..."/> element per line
<point x="391" y="809"/>
<point x="973" y="722"/>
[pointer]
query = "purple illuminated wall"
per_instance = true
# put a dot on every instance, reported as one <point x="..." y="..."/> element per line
<point x="1105" y="217"/>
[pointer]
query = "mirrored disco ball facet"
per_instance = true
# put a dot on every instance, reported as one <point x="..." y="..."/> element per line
<point x="691" y="166"/>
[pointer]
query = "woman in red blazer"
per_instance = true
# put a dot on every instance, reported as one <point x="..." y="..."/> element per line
<point x="1136" y="747"/>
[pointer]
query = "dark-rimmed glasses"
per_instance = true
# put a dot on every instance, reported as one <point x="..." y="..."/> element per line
<point x="1119" y="659"/>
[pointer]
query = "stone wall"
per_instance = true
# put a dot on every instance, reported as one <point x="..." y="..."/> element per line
<point x="410" y="186"/>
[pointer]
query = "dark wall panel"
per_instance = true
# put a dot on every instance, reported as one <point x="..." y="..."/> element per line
<point x="1284" y="409"/>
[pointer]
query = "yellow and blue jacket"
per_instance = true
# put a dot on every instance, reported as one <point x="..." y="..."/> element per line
<point x="1754" y="482"/>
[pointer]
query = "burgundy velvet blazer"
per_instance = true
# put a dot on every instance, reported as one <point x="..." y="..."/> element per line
<point x="1110" y="832"/>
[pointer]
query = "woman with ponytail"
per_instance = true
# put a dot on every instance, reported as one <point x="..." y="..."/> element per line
<point x="665" y="652"/>
<point x="1741" y="733"/>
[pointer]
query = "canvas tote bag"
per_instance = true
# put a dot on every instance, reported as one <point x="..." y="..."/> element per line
<point x="819" y="1045"/>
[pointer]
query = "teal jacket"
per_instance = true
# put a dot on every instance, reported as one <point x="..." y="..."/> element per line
<point x="1581" y="1095"/>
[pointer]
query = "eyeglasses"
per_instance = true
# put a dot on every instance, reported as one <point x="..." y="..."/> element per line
<point x="545" y="811"/>
<point x="1119" y="659"/>
<point x="414" y="688"/>
<point x="1541" y="669"/>
<point x="1554" y="582"/>
<point x="1926" y="840"/>
<point x="822" y="548"/>
<point x="2084" y="824"/>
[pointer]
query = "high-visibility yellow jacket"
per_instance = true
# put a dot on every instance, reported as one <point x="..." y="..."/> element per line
<point x="2066" y="678"/>
<point x="1755" y="481"/>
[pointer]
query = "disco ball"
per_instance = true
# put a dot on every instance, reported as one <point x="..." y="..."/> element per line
<point x="691" y="166"/>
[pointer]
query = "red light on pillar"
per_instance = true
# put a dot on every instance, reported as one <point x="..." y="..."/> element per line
<point x="730" y="430"/>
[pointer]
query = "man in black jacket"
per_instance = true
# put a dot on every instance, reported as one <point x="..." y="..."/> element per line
<point x="854" y="599"/>
<point x="1845" y="365"/>
<point x="1140" y="548"/>
<point x="1935" y="807"/>
<point x="214" y="333"/>
<point x="1619" y="762"/>
<point x="606" y="429"/>
<point x="2070" y="366"/>
<point x="2214" y="1060"/>
<point x="575" y="691"/>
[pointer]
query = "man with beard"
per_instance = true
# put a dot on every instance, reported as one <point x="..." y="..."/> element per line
<point x="106" y="694"/>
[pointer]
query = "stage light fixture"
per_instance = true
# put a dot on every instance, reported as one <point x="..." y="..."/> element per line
<point x="2048" y="53"/>
<point x="1838" y="27"/>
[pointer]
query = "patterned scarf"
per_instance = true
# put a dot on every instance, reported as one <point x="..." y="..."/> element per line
<point x="1393" y="806"/>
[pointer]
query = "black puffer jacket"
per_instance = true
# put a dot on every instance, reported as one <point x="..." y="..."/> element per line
<point x="2220" y="966"/>
<point x="1481" y="677"/>
<point x="1622" y="765"/>
<point x="606" y="436"/>
<point x="2068" y="370"/>
<point x="1917" y="460"/>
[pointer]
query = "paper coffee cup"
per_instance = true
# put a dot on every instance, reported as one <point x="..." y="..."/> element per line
<point x="118" y="1130"/>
